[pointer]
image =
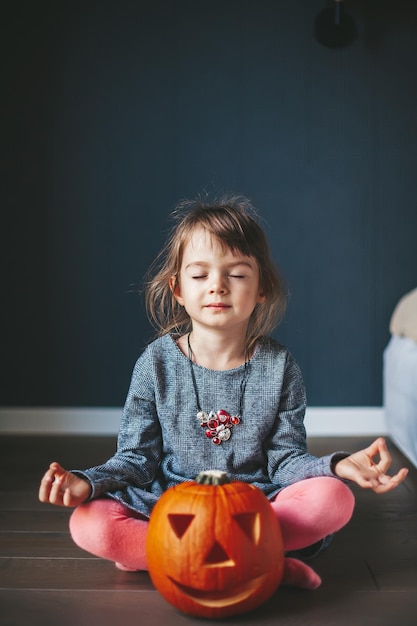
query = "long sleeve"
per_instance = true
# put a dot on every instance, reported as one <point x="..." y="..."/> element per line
<point x="161" y="442"/>
<point x="288" y="458"/>
<point x="139" y="446"/>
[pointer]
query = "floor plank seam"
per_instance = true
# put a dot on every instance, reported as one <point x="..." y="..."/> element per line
<point x="34" y="532"/>
<point x="371" y="573"/>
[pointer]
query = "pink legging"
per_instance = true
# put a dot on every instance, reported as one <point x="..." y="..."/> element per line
<point x="307" y="512"/>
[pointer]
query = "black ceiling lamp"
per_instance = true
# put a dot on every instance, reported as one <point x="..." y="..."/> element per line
<point x="334" y="28"/>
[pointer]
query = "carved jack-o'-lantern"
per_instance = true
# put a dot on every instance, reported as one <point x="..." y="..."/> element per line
<point x="214" y="549"/>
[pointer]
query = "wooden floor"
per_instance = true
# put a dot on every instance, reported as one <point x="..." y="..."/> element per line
<point x="369" y="572"/>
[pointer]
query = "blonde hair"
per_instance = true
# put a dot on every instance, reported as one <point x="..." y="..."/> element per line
<point x="233" y="222"/>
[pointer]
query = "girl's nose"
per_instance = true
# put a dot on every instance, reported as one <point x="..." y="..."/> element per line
<point x="218" y="285"/>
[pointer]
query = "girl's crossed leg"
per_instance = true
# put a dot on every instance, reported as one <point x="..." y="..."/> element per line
<point x="312" y="509"/>
<point x="106" y="528"/>
<point x="307" y="512"/>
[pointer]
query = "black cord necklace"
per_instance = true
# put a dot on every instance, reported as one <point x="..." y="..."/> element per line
<point x="218" y="424"/>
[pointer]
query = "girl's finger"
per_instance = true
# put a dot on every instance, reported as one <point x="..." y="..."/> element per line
<point x="57" y="469"/>
<point x="379" y="448"/>
<point x="384" y="457"/>
<point x="387" y="483"/>
<point x="57" y="491"/>
<point x="375" y="447"/>
<point x="46" y="485"/>
<point x="367" y="480"/>
<point x="383" y="479"/>
<point x="68" y="499"/>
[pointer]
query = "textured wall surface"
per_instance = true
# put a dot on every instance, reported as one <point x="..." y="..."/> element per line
<point x="116" y="110"/>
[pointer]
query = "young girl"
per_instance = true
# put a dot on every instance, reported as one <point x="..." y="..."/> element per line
<point x="213" y="391"/>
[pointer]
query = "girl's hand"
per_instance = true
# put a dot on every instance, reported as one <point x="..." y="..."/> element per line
<point x="361" y="468"/>
<point x="60" y="487"/>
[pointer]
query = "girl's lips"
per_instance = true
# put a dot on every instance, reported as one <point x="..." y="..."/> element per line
<point x="218" y="305"/>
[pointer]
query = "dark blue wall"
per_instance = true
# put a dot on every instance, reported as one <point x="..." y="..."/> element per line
<point x="117" y="109"/>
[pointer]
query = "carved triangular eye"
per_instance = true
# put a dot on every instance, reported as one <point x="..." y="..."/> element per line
<point x="180" y="523"/>
<point x="250" y="524"/>
<point x="217" y="556"/>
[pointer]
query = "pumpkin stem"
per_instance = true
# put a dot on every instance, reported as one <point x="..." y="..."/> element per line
<point x="212" y="477"/>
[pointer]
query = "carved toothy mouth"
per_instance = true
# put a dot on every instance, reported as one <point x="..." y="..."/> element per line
<point x="225" y="597"/>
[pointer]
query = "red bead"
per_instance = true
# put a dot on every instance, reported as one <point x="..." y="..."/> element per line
<point x="216" y="440"/>
<point x="213" y="424"/>
<point x="223" y="416"/>
<point x="235" y="420"/>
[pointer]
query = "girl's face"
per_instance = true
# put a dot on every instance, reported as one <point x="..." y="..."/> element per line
<point x="218" y="289"/>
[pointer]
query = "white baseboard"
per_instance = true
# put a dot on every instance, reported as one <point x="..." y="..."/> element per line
<point x="345" y="421"/>
<point x="320" y="421"/>
<point x="59" y="421"/>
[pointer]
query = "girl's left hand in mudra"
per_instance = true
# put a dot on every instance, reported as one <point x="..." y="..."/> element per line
<point x="368" y="473"/>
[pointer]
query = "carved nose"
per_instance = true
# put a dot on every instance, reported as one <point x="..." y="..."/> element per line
<point x="218" y="557"/>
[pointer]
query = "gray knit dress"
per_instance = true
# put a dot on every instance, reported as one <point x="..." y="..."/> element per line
<point x="162" y="443"/>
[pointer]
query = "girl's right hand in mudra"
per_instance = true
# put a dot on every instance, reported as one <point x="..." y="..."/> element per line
<point x="60" y="487"/>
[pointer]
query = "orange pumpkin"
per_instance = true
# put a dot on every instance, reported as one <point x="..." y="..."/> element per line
<point x="214" y="549"/>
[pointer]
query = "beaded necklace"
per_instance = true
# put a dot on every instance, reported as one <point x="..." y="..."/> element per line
<point x="217" y="424"/>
